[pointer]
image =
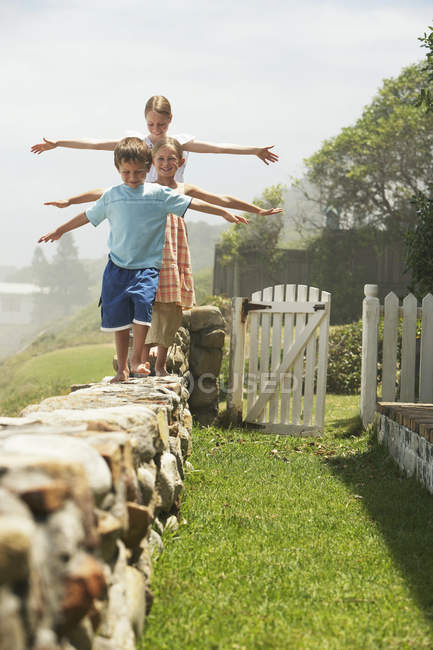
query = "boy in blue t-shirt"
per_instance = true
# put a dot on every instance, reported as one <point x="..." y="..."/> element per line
<point x="137" y="214"/>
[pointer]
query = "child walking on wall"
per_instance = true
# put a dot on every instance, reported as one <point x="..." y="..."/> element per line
<point x="137" y="214"/>
<point x="158" y="116"/>
<point x="175" y="289"/>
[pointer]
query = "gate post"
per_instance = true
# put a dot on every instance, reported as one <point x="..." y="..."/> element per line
<point x="370" y="323"/>
<point x="237" y="360"/>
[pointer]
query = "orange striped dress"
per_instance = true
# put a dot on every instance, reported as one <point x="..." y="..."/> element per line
<point x="175" y="277"/>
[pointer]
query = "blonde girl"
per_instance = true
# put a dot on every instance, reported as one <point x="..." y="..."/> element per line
<point x="175" y="290"/>
<point x="158" y="116"/>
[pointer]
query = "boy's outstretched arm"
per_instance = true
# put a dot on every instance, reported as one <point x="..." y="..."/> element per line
<point x="86" y="197"/>
<point x="46" y="145"/>
<point x="72" y="224"/>
<point x="202" y="206"/>
<point x="263" y="153"/>
<point x="227" y="201"/>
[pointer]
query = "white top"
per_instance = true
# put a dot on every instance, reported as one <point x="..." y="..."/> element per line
<point x="183" y="138"/>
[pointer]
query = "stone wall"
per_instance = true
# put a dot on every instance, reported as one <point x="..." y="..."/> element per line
<point x="412" y="450"/>
<point x="196" y="355"/>
<point x="86" y="481"/>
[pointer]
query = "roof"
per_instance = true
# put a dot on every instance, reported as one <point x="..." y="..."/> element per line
<point x="19" y="288"/>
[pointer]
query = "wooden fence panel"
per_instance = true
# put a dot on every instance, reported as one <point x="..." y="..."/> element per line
<point x="289" y="320"/>
<point x="276" y="350"/>
<point x="390" y="335"/>
<point x="298" y="367"/>
<point x="426" y="352"/>
<point x="264" y="348"/>
<point x="322" y="362"/>
<point x="408" y="349"/>
<point x="253" y="356"/>
<point x="310" y="366"/>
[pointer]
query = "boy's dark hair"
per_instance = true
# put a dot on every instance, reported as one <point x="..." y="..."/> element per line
<point x="132" y="149"/>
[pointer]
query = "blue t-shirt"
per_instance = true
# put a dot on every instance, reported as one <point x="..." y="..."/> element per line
<point x="137" y="219"/>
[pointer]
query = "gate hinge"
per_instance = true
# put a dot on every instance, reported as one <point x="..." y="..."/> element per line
<point x="248" y="306"/>
<point x="320" y="306"/>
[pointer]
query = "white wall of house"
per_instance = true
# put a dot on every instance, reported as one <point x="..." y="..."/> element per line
<point x="16" y="302"/>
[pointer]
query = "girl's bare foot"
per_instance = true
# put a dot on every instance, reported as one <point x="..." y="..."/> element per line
<point x="161" y="373"/>
<point x="122" y="375"/>
<point x="142" y="370"/>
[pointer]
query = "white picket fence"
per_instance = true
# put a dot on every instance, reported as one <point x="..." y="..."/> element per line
<point x="399" y="382"/>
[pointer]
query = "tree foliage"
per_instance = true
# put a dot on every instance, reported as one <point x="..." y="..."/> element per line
<point x="341" y="263"/>
<point x="65" y="280"/>
<point x="426" y="92"/>
<point x="419" y="246"/>
<point x="261" y="234"/>
<point x="370" y="171"/>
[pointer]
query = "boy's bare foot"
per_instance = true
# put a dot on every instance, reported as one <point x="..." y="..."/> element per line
<point x="122" y="375"/>
<point x="142" y="370"/>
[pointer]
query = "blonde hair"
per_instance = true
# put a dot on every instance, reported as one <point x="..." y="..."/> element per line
<point x="159" y="104"/>
<point x="132" y="149"/>
<point x="168" y="142"/>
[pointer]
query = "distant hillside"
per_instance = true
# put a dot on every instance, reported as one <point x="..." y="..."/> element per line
<point x="202" y="238"/>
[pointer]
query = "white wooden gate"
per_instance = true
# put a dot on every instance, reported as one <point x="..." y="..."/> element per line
<point x="287" y="353"/>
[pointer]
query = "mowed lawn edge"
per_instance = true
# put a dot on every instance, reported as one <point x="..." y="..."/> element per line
<point x="52" y="373"/>
<point x="296" y="543"/>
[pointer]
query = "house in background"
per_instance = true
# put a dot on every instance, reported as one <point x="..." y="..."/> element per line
<point x="17" y="300"/>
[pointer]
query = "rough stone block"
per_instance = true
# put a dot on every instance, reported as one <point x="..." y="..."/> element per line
<point x="205" y="361"/>
<point x="16" y="534"/>
<point x="140" y="519"/>
<point x="136" y="599"/>
<point x="60" y="448"/>
<point x="213" y="338"/>
<point x="206" y="317"/>
<point x="85" y="582"/>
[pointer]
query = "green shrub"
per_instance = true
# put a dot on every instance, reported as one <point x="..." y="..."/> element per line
<point x="344" y="359"/>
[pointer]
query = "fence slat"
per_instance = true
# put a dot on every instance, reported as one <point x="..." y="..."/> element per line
<point x="322" y="363"/>
<point x="264" y="348"/>
<point x="426" y="353"/>
<point x="390" y="333"/>
<point x="310" y="367"/>
<point x="237" y="361"/>
<point x="288" y="337"/>
<point x="276" y="351"/>
<point x="370" y="322"/>
<point x="298" y="366"/>
<point x="408" y="349"/>
<point x="253" y="355"/>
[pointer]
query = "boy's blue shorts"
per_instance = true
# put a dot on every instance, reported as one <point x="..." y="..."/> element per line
<point x="127" y="296"/>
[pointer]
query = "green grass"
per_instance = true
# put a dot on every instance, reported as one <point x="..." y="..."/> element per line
<point x="52" y="373"/>
<point x="296" y="543"/>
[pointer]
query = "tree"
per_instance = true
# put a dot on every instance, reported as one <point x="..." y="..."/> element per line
<point x="68" y="280"/>
<point x="419" y="253"/>
<point x="370" y="171"/>
<point x="261" y="235"/>
<point x="40" y="268"/>
<point x="426" y="93"/>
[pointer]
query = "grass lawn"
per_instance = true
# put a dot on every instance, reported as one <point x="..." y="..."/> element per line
<point x="52" y="373"/>
<point x="296" y="543"/>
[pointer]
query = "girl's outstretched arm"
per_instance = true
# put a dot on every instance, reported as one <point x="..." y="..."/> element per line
<point x="86" y="197"/>
<point x="46" y="145"/>
<point x="264" y="153"/>
<point x="202" y="206"/>
<point x="72" y="224"/>
<point x="227" y="201"/>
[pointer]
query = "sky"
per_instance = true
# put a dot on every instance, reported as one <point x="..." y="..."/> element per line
<point x="280" y="72"/>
